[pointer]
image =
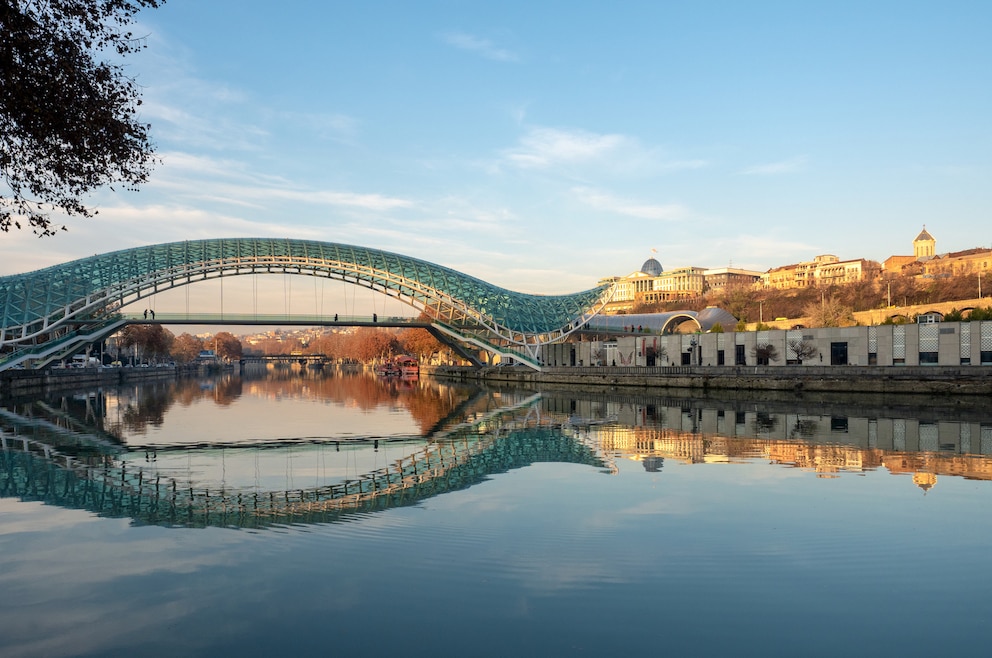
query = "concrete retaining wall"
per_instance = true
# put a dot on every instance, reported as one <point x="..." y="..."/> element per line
<point x="933" y="380"/>
<point x="21" y="382"/>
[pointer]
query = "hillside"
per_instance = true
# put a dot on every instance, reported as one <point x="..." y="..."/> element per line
<point x="754" y="304"/>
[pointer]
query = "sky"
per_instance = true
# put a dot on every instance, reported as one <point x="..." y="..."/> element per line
<point x="544" y="145"/>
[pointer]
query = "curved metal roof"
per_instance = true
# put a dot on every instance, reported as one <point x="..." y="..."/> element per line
<point x="666" y="322"/>
<point x="33" y="303"/>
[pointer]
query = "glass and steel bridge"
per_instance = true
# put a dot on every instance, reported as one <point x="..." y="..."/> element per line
<point x="53" y="312"/>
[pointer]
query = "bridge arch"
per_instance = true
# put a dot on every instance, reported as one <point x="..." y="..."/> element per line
<point x="84" y="295"/>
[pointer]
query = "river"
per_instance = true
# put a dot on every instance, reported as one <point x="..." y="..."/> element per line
<point x="318" y="513"/>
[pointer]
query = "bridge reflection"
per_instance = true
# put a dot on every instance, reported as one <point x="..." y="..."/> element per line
<point x="112" y="485"/>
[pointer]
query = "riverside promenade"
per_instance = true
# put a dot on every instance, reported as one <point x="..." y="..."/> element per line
<point x="930" y="380"/>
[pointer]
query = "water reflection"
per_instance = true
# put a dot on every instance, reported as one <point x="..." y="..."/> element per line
<point x="285" y="448"/>
<point x="133" y="414"/>
<point x="821" y="435"/>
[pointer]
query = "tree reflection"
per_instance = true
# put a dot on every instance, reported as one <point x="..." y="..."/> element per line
<point x="428" y="403"/>
<point x="148" y="407"/>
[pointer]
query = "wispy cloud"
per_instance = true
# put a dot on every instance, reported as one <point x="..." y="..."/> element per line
<point x="611" y="153"/>
<point x="609" y="203"/>
<point x="544" y="147"/>
<point x="231" y="181"/>
<point x="337" y="198"/>
<point x="678" y="165"/>
<point x="174" y="124"/>
<point x="479" y="46"/>
<point x="334" y="126"/>
<point x="772" y="168"/>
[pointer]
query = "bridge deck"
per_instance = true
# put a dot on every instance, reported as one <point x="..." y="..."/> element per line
<point x="275" y="319"/>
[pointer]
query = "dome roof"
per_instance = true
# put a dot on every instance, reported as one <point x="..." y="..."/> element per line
<point x="651" y="267"/>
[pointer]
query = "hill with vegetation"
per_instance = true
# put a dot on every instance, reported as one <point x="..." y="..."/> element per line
<point x="828" y="304"/>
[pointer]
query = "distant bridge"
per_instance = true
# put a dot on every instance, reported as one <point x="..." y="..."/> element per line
<point x="51" y="313"/>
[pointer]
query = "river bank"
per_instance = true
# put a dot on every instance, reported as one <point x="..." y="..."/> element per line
<point x="925" y="380"/>
<point x="21" y="382"/>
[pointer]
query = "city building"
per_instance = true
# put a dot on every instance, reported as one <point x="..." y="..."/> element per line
<point x="653" y="285"/>
<point x="924" y="246"/>
<point x="970" y="261"/>
<point x="825" y="269"/>
<point x="936" y="344"/>
<point x="925" y="260"/>
<point x="730" y="277"/>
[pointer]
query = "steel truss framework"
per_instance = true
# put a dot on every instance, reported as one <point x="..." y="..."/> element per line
<point x="43" y="305"/>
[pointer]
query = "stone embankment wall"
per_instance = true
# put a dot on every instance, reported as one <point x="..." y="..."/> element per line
<point x="931" y="380"/>
<point x="19" y="382"/>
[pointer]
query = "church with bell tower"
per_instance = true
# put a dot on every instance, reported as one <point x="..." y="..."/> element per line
<point x="924" y="246"/>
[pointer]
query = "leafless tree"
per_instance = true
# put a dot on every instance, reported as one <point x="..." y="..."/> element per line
<point x="803" y="349"/>
<point x="764" y="353"/>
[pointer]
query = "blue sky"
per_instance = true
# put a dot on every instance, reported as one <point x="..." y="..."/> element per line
<point x="544" y="145"/>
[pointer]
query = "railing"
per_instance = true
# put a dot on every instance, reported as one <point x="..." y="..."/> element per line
<point x="272" y="318"/>
<point x="510" y="352"/>
<point x="61" y="346"/>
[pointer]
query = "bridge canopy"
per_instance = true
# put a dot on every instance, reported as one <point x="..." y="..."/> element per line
<point x="37" y="304"/>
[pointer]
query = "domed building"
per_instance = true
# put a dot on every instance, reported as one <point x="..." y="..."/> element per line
<point x="652" y="284"/>
<point x="651" y="267"/>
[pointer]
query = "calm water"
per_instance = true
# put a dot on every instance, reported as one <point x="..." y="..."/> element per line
<point x="326" y="514"/>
